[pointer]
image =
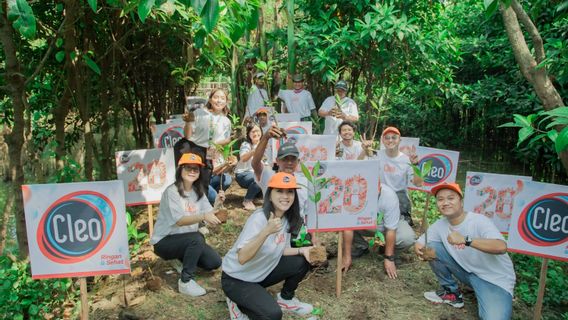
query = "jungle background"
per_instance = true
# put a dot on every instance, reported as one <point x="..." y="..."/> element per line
<point x="80" y="80"/>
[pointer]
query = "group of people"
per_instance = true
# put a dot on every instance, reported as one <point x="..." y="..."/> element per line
<point x="468" y="246"/>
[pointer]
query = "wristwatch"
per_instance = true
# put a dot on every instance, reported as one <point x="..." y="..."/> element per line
<point x="468" y="241"/>
<point x="389" y="258"/>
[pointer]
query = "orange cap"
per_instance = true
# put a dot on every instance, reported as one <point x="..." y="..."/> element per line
<point x="390" y="129"/>
<point x="452" y="186"/>
<point x="283" y="180"/>
<point x="190" y="158"/>
<point x="261" y="110"/>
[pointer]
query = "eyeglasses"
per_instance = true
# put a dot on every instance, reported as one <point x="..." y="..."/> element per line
<point x="194" y="169"/>
<point x="391" y="137"/>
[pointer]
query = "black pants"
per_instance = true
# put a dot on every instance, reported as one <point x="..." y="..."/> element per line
<point x="253" y="299"/>
<point x="191" y="249"/>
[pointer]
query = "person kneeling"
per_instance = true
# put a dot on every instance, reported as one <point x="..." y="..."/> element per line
<point x="183" y="206"/>
<point x="262" y="257"/>
<point x="470" y="248"/>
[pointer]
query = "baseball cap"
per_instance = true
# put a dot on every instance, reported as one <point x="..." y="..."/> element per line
<point x="283" y="180"/>
<point x="190" y="158"/>
<point x="341" y="84"/>
<point x="298" y="77"/>
<point x="288" y="149"/>
<point x="259" y="75"/>
<point x="452" y="186"/>
<point x="261" y="110"/>
<point x="390" y="130"/>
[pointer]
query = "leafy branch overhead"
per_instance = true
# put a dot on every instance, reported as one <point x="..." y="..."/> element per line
<point x="542" y="125"/>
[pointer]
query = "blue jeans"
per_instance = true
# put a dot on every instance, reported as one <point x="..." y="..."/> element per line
<point x="493" y="301"/>
<point x="214" y="184"/>
<point x="246" y="180"/>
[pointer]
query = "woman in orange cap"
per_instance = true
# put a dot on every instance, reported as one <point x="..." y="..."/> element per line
<point x="262" y="257"/>
<point x="183" y="206"/>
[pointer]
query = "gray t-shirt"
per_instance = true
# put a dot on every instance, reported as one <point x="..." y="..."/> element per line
<point x="174" y="207"/>
<point x="298" y="102"/>
<point x="266" y="258"/>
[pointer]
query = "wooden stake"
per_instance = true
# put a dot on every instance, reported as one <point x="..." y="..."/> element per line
<point x="84" y="298"/>
<point x="150" y="219"/>
<point x="339" y="263"/>
<point x="541" y="288"/>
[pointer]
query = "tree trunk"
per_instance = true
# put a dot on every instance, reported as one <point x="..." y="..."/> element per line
<point x="537" y="77"/>
<point x="15" y="139"/>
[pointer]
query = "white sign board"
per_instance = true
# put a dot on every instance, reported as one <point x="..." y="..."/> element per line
<point x="166" y="135"/>
<point x="145" y="174"/>
<point x="444" y="166"/>
<point x="287" y="117"/>
<point x="493" y="195"/>
<point x="539" y="225"/>
<point x="407" y="145"/>
<point x="76" y="229"/>
<point x="349" y="202"/>
<point x="300" y="127"/>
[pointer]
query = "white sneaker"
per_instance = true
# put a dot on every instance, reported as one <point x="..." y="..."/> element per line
<point x="191" y="288"/>
<point x="294" y="305"/>
<point x="234" y="311"/>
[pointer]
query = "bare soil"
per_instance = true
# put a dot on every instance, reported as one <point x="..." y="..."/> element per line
<point x="150" y="291"/>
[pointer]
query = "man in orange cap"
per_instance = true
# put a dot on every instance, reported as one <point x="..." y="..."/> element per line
<point x="395" y="170"/>
<point x="471" y="249"/>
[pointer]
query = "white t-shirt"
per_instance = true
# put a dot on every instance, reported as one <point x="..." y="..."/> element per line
<point x="395" y="172"/>
<point x="267" y="256"/>
<point x="255" y="100"/>
<point x="244" y="166"/>
<point x="174" y="207"/>
<point x="301" y="103"/>
<point x="352" y="152"/>
<point x="388" y="205"/>
<point x="493" y="268"/>
<point x="348" y="106"/>
<point x="207" y="123"/>
<point x="267" y="173"/>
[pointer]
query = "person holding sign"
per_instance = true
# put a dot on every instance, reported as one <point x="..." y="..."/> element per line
<point x="182" y="207"/>
<point x="299" y="100"/>
<point x="244" y="173"/>
<point x="262" y="257"/>
<point x="209" y="127"/>
<point x="471" y="249"/>
<point x="349" y="148"/>
<point x="338" y="108"/>
<point x="398" y="234"/>
<point x="395" y="170"/>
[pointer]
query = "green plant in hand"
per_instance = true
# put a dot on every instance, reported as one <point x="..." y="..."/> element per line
<point x="379" y="237"/>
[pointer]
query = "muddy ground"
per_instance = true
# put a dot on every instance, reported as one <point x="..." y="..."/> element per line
<point x="151" y="288"/>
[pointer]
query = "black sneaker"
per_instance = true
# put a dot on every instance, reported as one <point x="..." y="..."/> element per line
<point x="454" y="299"/>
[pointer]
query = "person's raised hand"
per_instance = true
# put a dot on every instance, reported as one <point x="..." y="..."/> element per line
<point x="275" y="132"/>
<point x="211" y="218"/>
<point x="274" y="224"/>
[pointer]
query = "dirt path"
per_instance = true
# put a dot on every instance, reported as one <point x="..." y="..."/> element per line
<point x="151" y="289"/>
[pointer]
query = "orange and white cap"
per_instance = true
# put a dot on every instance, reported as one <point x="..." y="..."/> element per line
<point x="191" y="158"/>
<point x="390" y="130"/>
<point x="452" y="186"/>
<point x="283" y="180"/>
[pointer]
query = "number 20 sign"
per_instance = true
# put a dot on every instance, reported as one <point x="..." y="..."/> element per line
<point x="493" y="195"/>
<point x="444" y="166"/>
<point x="349" y="201"/>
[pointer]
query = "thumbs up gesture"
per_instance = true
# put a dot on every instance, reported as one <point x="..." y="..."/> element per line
<point x="274" y="224"/>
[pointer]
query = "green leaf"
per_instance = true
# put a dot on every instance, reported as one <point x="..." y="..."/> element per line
<point x="552" y="135"/>
<point x="510" y="125"/>
<point x="144" y="9"/>
<point x="23" y="18"/>
<point x="59" y="42"/>
<point x="558" y="112"/>
<point x="317" y="197"/>
<point x="60" y="56"/>
<point x="523" y="121"/>
<point x="306" y="172"/>
<point x="426" y="168"/>
<point x="524" y="133"/>
<point x="490" y="7"/>
<point x="93" y="65"/>
<point x="198" y="5"/>
<point x="33" y="309"/>
<point x="317" y="311"/>
<point x="316" y="169"/>
<point x="372" y="242"/>
<point x="253" y="20"/>
<point x="561" y="141"/>
<point x="210" y="14"/>
<point x="93" y="5"/>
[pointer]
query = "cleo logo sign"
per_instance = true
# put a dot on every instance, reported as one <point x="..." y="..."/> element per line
<point x="544" y="222"/>
<point x="170" y="137"/>
<point x="441" y="168"/>
<point x="76" y="226"/>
